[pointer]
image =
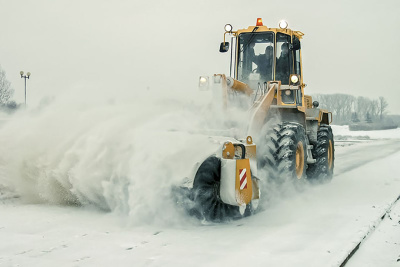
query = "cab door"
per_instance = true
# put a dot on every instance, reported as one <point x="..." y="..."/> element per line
<point x="284" y="58"/>
<point x="296" y="47"/>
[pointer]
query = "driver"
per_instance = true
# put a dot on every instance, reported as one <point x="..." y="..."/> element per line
<point x="282" y="65"/>
<point x="264" y="63"/>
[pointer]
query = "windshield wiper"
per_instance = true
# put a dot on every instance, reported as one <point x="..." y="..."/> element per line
<point x="251" y="39"/>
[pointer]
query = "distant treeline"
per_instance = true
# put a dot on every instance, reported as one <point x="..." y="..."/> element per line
<point x="347" y="109"/>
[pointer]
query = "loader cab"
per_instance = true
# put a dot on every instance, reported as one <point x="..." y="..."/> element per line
<point x="266" y="56"/>
<point x="260" y="55"/>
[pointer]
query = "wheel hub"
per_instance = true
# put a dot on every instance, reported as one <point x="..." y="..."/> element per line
<point x="299" y="160"/>
<point x="330" y="155"/>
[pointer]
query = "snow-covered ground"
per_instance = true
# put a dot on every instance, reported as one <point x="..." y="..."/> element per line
<point x="132" y="221"/>
<point x="382" y="247"/>
<point x="342" y="132"/>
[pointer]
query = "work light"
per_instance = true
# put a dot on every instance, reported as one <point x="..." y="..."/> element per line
<point x="228" y="28"/>
<point x="283" y="24"/>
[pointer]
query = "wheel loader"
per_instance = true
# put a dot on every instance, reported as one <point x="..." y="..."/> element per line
<point x="286" y="135"/>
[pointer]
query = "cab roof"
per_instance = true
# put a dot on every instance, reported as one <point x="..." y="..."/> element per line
<point x="250" y="29"/>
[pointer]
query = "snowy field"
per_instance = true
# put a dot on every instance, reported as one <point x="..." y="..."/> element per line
<point x="131" y="220"/>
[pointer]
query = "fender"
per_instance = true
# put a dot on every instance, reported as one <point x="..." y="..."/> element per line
<point x="236" y="184"/>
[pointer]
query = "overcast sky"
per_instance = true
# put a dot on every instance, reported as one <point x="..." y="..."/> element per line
<point x="349" y="46"/>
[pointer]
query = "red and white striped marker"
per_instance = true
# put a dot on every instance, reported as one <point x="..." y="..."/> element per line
<point x="243" y="179"/>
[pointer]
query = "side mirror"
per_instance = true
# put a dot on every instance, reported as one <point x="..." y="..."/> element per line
<point x="296" y="44"/>
<point x="224" y="47"/>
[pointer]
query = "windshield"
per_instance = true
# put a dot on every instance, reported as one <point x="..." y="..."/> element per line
<point x="255" y="57"/>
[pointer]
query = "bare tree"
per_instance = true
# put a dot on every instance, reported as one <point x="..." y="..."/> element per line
<point x="374" y="109"/>
<point x="363" y="106"/>
<point x="6" y="92"/>
<point x="344" y="107"/>
<point x="383" y="104"/>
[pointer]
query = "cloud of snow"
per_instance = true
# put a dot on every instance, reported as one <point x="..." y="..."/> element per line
<point x="119" y="151"/>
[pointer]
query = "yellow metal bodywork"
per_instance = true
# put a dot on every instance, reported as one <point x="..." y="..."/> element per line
<point x="245" y="195"/>
<point x="251" y="149"/>
<point x="308" y="101"/>
<point x="241" y="87"/>
<point x="289" y="32"/>
<point x="228" y="150"/>
<point x="298" y="34"/>
<point x="238" y="186"/>
<point x="301" y="108"/>
<point x="260" y="110"/>
<point x="324" y="116"/>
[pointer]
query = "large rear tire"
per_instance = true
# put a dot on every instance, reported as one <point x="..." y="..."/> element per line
<point x="206" y="186"/>
<point x="324" y="153"/>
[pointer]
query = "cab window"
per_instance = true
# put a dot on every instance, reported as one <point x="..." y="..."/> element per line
<point x="255" y="57"/>
<point x="297" y="64"/>
<point x="284" y="58"/>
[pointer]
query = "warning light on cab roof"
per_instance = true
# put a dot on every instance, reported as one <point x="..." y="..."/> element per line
<point x="259" y="22"/>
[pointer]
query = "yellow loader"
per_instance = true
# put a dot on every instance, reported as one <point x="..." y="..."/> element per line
<point x="292" y="136"/>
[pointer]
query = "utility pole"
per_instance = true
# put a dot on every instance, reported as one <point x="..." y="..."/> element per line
<point x="25" y="77"/>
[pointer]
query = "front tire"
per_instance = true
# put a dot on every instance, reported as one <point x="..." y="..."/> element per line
<point x="284" y="154"/>
<point x="206" y="186"/>
<point x="291" y="153"/>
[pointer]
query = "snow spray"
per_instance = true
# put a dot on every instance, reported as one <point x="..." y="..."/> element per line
<point x="120" y="153"/>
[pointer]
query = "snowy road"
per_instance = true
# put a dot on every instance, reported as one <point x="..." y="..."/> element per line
<point x="349" y="158"/>
<point x="315" y="227"/>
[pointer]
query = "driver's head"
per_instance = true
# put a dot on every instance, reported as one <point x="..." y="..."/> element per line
<point x="285" y="49"/>
<point x="269" y="51"/>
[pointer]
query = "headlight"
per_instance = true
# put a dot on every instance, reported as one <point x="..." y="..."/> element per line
<point x="203" y="83"/>
<point x="203" y="79"/>
<point x="287" y="92"/>
<point x="283" y="24"/>
<point x="228" y="28"/>
<point x="294" y="79"/>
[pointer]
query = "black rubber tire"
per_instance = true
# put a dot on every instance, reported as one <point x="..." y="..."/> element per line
<point x="266" y="149"/>
<point x="291" y="136"/>
<point x="278" y="153"/>
<point x="321" y="170"/>
<point x="208" y="204"/>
